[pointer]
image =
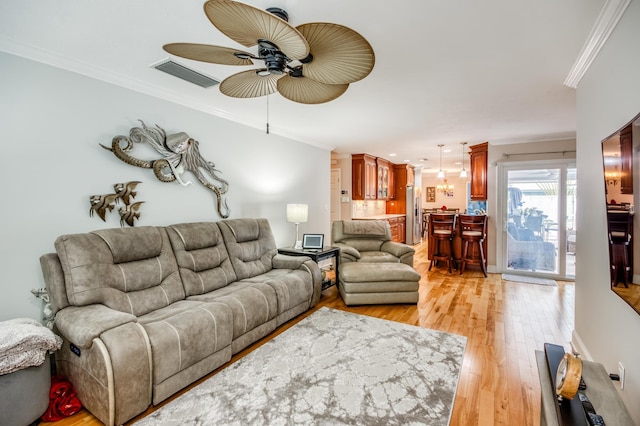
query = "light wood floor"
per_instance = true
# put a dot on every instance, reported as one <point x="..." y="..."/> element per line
<point x="504" y="322"/>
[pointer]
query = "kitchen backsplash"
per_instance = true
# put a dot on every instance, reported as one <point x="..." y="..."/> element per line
<point x="368" y="208"/>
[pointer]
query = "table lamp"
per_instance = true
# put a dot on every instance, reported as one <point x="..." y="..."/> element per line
<point x="297" y="213"/>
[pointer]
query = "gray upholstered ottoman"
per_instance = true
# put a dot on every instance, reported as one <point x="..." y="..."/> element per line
<point x="378" y="283"/>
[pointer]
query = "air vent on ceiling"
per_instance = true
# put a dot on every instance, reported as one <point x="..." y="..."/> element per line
<point x="187" y="74"/>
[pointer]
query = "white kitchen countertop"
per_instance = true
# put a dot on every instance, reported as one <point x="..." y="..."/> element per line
<point x="379" y="217"/>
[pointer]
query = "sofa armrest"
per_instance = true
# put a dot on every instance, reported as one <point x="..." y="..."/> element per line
<point x="348" y="253"/>
<point x="397" y="249"/>
<point x="284" y="261"/>
<point x="81" y="324"/>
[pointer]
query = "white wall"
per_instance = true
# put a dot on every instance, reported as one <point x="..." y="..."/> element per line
<point x="51" y="122"/>
<point x="607" y="98"/>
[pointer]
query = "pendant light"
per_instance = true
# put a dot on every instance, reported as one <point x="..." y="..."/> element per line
<point x="440" y="173"/>
<point x="463" y="172"/>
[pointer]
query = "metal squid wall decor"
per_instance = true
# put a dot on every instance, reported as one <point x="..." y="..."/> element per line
<point x="179" y="153"/>
<point x="130" y="212"/>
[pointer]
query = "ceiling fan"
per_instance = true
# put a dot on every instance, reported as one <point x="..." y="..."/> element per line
<point x="310" y="64"/>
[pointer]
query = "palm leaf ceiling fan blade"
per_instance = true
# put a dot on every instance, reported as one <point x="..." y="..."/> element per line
<point x="340" y="54"/>
<point x="207" y="53"/>
<point x="307" y="91"/>
<point x="246" y="24"/>
<point x="248" y="84"/>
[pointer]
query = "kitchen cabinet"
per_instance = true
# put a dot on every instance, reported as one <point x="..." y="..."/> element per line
<point x="398" y="228"/>
<point x="383" y="179"/>
<point x="403" y="176"/>
<point x="626" y="161"/>
<point x="479" y="162"/>
<point x="411" y="176"/>
<point x="364" y="183"/>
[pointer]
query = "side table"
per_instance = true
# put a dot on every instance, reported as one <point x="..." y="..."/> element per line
<point x="318" y="256"/>
<point x="600" y="391"/>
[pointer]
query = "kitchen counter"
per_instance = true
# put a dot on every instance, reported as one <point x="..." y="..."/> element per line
<point x="378" y="217"/>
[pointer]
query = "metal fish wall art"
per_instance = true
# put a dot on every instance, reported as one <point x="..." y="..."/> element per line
<point x="129" y="213"/>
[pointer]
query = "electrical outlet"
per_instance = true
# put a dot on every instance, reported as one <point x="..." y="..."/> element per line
<point x="621" y="373"/>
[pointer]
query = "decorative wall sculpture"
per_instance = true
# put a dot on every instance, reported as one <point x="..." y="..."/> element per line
<point x="179" y="153"/>
<point x="101" y="204"/>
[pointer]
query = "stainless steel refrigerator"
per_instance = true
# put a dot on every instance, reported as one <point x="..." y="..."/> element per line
<point x="414" y="216"/>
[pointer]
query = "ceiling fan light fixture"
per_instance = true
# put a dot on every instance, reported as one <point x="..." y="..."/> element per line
<point x="340" y="55"/>
<point x="307" y="60"/>
<point x="243" y="55"/>
<point x="280" y="13"/>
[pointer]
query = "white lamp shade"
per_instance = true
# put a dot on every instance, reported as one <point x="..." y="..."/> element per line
<point x="297" y="213"/>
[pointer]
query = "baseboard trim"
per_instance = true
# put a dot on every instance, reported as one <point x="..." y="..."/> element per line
<point x="577" y="345"/>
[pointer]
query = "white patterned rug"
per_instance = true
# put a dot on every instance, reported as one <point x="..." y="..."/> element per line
<point x="528" y="280"/>
<point x="332" y="368"/>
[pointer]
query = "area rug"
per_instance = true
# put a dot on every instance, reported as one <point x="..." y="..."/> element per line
<point x="332" y="368"/>
<point x="528" y="280"/>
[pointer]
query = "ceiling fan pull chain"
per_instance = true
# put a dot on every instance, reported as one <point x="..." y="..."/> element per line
<point x="267" y="113"/>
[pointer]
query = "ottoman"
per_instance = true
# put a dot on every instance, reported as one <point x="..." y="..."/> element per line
<point x="364" y="283"/>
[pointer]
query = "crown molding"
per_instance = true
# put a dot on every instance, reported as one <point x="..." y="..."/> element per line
<point x="602" y="29"/>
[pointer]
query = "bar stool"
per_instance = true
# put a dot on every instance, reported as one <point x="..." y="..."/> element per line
<point x="442" y="229"/>
<point x="473" y="230"/>
<point x="425" y="223"/>
<point x="620" y="231"/>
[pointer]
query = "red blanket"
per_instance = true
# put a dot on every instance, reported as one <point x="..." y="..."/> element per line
<point x="63" y="401"/>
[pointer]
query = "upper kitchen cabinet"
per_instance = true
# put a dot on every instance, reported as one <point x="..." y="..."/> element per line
<point x="384" y="179"/>
<point x="364" y="177"/>
<point x="626" y="160"/>
<point x="479" y="161"/>
<point x="403" y="176"/>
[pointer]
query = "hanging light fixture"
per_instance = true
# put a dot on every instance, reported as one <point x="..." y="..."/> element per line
<point x="440" y="173"/>
<point x="463" y="172"/>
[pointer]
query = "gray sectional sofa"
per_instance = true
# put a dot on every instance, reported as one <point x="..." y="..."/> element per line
<point x="146" y="311"/>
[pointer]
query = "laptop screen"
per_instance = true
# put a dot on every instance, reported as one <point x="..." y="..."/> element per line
<point x="312" y="241"/>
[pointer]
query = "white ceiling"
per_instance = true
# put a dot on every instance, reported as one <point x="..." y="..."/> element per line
<point x="446" y="71"/>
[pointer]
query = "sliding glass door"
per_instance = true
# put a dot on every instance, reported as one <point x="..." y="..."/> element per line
<point x="537" y="208"/>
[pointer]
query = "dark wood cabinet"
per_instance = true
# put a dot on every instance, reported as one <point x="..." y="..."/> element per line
<point x="479" y="161"/>
<point x="392" y="182"/>
<point x="403" y="175"/>
<point x="626" y="161"/>
<point x="364" y="170"/>
<point x="398" y="228"/>
<point x="383" y="173"/>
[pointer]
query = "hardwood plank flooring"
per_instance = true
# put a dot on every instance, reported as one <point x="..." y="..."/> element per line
<point x="504" y="322"/>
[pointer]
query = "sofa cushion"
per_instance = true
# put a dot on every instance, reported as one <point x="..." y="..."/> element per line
<point x="250" y="245"/>
<point x="185" y="333"/>
<point x="378" y="257"/>
<point x="251" y="303"/>
<point x="292" y="287"/>
<point x="114" y="267"/>
<point x="202" y="257"/>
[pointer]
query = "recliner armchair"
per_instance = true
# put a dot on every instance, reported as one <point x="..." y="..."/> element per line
<point x="369" y="241"/>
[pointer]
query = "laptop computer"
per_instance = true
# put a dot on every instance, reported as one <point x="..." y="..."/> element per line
<point x="312" y="242"/>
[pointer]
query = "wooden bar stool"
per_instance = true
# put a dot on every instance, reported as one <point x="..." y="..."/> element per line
<point x="473" y="230"/>
<point x="442" y="229"/>
<point x="620" y="226"/>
